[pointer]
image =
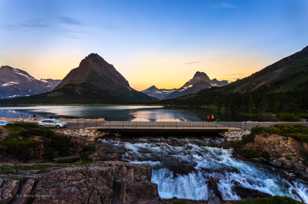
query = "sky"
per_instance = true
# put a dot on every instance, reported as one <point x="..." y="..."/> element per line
<point x="152" y="42"/>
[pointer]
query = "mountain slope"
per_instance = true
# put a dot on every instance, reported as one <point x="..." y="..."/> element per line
<point x="93" y="81"/>
<point x="16" y="83"/>
<point x="200" y="81"/>
<point x="160" y="94"/>
<point x="281" y="86"/>
<point x="288" y="74"/>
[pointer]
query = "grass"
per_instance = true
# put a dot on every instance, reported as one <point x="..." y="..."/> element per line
<point x="270" y="200"/>
<point x="297" y="132"/>
<point x="86" y="152"/>
<point x="28" y="141"/>
<point x="40" y="167"/>
<point x="251" y="153"/>
<point x="12" y="169"/>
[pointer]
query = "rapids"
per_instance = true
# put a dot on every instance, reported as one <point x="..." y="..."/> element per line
<point x="182" y="170"/>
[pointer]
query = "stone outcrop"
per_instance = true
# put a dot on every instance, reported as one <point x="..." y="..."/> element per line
<point x="8" y="189"/>
<point x="235" y="135"/>
<point x="89" y="135"/>
<point x="246" y="193"/>
<point x="282" y="152"/>
<point x="105" y="183"/>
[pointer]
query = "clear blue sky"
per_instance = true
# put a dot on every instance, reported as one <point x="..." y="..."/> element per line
<point x="145" y="38"/>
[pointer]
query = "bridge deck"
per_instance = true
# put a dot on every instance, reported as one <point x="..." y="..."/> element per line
<point x="196" y="128"/>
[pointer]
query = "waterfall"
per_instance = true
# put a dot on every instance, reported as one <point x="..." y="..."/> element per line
<point x="191" y="186"/>
<point x="207" y="162"/>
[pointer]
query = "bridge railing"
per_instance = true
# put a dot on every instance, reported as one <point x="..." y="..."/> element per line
<point x="96" y="123"/>
<point x="159" y="124"/>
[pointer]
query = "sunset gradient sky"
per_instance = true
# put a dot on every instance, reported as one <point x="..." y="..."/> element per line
<point x="161" y="42"/>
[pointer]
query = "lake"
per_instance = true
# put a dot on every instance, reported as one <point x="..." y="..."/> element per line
<point x="109" y="112"/>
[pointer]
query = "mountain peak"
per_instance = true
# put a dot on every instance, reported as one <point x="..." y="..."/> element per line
<point x="93" y="58"/>
<point x="6" y="67"/>
<point x="153" y="87"/>
<point x="9" y="68"/>
<point x="201" y="76"/>
<point x="94" y="70"/>
<point x="7" y="72"/>
<point x="15" y="82"/>
<point x="305" y="49"/>
<point x="97" y="80"/>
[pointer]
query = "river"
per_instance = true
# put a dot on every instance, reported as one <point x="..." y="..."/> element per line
<point x="183" y="167"/>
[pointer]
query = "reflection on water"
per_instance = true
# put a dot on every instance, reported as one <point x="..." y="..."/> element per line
<point x="109" y="112"/>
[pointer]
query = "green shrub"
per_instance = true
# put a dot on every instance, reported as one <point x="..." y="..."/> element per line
<point x="270" y="200"/>
<point x="179" y="202"/>
<point x="22" y="148"/>
<point x="251" y="153"/>
<point x="297" y="132"/>
<point x="57" y="146"/>
<point x="288" y="117"/>
<point x="86" y="152"/>
<point x="28" y="141"/>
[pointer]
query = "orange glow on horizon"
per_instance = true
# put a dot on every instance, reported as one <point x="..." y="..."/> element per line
<point x="161" y="71"/>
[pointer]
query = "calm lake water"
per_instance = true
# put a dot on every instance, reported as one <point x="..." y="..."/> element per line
<point x="109" y="112"/>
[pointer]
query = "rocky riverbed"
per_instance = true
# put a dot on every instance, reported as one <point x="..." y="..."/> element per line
<point x="185" y="168"/>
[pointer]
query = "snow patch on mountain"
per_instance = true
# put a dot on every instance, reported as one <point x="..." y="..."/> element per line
<point x="17" y="83"/>
<point x="199" y="82"/>
<point x="11" y="83"/>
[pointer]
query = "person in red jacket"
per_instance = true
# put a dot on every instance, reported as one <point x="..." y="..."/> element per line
<point x="210" y="118"/>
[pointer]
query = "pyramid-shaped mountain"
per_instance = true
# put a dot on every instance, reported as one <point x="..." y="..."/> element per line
<point x="199" y="82"/>
<point x="93" y="81"/>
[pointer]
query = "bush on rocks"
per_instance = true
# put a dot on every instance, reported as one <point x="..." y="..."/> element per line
<point x="28" y="141"/>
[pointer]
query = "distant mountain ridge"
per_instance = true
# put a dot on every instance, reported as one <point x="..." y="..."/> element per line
<point x="93" y="81"/>
<point x="200" y="81"/>
<point x="282" y="86"/>
<point x="288" y="74"/>
<point x="15" y="82"/>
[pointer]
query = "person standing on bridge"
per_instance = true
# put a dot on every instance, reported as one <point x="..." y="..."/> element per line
<point x="210" y="118"/>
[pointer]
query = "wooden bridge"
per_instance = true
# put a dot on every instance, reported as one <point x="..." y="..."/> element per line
<point x="166" y="128"/>
<point x="180" y="128"/>
<point x="245" y="125"/>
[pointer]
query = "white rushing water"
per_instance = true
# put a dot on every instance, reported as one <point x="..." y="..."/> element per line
<point x="191" y="186"/>
<point x="208" y="162"/>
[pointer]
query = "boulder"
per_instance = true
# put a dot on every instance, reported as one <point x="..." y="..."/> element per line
<point x="214" y="196"/>
<point x="178" y="167"/>
<point x="108" y="152"/>
<point x="246" y="193"/>
<point x="8" y="190"/>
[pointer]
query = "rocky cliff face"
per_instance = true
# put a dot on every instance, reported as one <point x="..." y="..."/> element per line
<point x="16" y="82"/>
<point x="200" y="81"/>
<point x="115" y="182"/>
<point x="283" y="152"/>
